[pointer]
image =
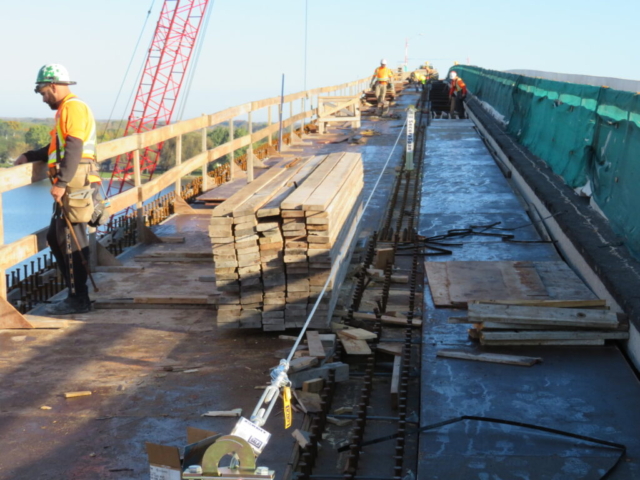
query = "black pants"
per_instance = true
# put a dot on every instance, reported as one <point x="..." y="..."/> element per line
<point x="456" y="106"/>
<point x="57" y="240"/>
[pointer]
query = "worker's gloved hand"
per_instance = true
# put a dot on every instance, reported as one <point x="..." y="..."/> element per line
<point x="21" y="160"/>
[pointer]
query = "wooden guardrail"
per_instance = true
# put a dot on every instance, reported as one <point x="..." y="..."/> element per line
<point x="22" y="175"/>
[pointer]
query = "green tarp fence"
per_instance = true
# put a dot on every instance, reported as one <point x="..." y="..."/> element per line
<point x="584" y="133"/>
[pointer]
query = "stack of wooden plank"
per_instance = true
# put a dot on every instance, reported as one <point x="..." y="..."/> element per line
<point x="318" y="217"/>
<point x="275" y="239"/>
<point x="496" y="324"/>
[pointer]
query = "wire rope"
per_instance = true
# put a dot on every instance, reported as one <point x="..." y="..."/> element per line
<point x="192" y="71"/>
<point x="126" y="74"/>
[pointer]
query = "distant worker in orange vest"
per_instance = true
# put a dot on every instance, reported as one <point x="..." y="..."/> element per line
<point x="71" y="156"/>
<point x="457" y="93"/>
<point x="382" y="79"/>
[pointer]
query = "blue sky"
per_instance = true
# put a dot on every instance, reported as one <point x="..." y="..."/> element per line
<point x="249" y="44"/>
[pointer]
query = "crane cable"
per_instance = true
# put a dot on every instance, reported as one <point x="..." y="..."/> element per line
<point x="279" y="377"/>
<point x="126" y="74"/>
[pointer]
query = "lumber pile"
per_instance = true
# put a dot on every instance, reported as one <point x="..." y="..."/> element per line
<point x="276" y="239"/>
<point x="496" y="324"/>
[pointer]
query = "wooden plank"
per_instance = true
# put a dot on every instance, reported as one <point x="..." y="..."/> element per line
<point x="438" y="282"/>
<point x="157" y="300"/>
<point x="272" y="207"/>
<point x="322" y="196"/>
<point x="236" y="412"/>
<point x="358" y="334"/>
<point x="10" y="317"/>
<point x="558" y="343"/>
<point x="554" y="335"/>
<point x="297" y="198"/>
<point x="253" y="204"/>
<point x="383" y="257"/>
<point x="124" y="200"/>
<point x="315" y="344"/>
<point x="354" y="347"/>
<point x="245" y="193"/>
<point x="568" y="317"/>
<point x="475" y="280"/>
<point x="20" y="250"/>
<point x="342" y="103"/>
<point x="301" y="437"/>
<point x="83" y="393"/>
<point x="22" y="175"/>
<point x="302" y="363"/>
<point x="387" y="319"/>
<point x="395" y="381"/>
<point x="315" y="385"/>
<point x="595" y="303"/>
<point x="490" y="357"/>
<point x="390" y="348"/>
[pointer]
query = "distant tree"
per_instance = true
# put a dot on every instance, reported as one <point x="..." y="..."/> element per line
<point x="5" y="130"/>
<point x="37" y="136"/>
<point x="17" y="148"/>
<point x="14" y="125"/>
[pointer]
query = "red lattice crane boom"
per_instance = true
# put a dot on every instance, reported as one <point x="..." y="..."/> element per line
<point x="165" y="69"/>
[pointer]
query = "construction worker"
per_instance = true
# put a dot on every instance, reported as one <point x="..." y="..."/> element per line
<point x="71" y="158"/>
<point x="381" y="80"/>
<point x="457" y="93"/>
<point x="420" y="81"/>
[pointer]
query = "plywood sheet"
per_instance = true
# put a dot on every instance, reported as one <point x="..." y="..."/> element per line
<point x="454" y="284"/>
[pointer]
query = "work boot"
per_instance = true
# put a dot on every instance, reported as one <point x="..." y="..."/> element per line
<point x="69" y="306"/>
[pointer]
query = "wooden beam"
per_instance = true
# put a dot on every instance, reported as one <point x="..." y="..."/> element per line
<point x="22" y="175"/>
<point x="242" y="195"/>
<point x="10" y="317"/>
<point x="352" y="346"/>
<point x="395" y="381"/>
<point x="597" y="303"/>
<point x="490" y="357"/>
<point x="553" y="335"/>
<point x="358" y="334"/>
<point x="568" y="317"/>
<point x="20" y="250"/>
<point x="315" y="344"/>
<point x="178" y="178"/>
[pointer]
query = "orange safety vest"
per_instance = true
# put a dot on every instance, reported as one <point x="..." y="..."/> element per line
<point x="383" y="75"/>
<point x="458" y="84"/>
<point x="73" y="118"/>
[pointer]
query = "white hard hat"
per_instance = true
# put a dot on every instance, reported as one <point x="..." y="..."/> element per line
<point x="453" y="74"/>
<point x="54" y="73"/>
<point x="383" y="61"/>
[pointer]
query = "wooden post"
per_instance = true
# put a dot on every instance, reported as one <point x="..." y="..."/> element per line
<point x="93" y="248"/>
<point x="138" y="186"/>
<point x="250" y="153"/>
<point x="178" y="185"/>
<point x="301" y="111"/>
<point x="205" y="167"/>
<point x="290" y="117"/>
<point x="269" y="124"/>
<point x="3" y="283"/>
<point x="232" y="161"/>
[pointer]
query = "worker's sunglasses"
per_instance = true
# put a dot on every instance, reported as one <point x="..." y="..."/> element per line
<point x="40" y="87"/>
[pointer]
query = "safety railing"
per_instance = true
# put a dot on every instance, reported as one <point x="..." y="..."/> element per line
<point x="23" y="175"/>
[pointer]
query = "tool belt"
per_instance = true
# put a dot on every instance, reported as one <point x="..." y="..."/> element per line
<point x="78" y="199"/>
